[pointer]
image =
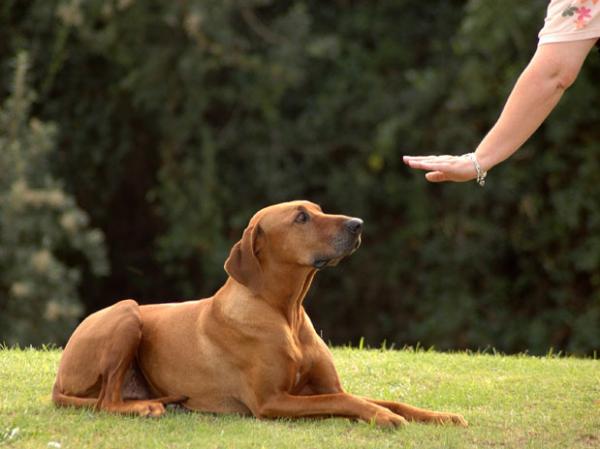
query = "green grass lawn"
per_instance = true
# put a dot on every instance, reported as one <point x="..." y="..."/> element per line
<point x="510" y="402"/>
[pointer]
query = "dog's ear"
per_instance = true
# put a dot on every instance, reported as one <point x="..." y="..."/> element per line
<point x="243" y="264"/>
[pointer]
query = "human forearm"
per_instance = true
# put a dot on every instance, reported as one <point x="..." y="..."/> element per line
<point x="551" y="71"/>
<point x="532" y="99"/>
<point x="539" y="88"/>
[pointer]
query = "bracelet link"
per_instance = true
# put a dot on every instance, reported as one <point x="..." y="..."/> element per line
<point x="480" y="173"/>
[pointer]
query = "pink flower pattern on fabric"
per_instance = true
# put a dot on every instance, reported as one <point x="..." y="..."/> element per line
<point x="582" y="14"/>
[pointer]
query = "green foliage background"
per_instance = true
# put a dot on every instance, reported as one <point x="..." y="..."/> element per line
<point x="177" y="120"/>
<point x="45" y="238"/>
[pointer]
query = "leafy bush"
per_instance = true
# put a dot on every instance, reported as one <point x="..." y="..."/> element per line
<point x="180" y="119"/>
<point x="42" y="231"/>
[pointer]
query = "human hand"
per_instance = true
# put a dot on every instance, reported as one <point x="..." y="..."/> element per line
<point x="443" y="168"/>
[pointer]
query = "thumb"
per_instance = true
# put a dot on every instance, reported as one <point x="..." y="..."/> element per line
<point x="436" y="176"/>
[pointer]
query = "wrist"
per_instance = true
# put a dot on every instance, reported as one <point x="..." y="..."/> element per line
<point x="486" y="161"/>
<point x="480" y="172"/>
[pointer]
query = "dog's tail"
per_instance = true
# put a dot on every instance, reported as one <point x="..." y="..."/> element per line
<point x="62" y="400"/>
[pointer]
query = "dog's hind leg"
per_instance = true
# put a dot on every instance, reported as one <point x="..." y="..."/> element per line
<point x="96" y="360"/>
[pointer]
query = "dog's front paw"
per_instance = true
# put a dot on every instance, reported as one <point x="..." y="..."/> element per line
<point x="450" y="418"/>
<point x="388" y="420"/>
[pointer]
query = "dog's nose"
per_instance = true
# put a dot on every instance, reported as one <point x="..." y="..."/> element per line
<point x="354" y="225"/>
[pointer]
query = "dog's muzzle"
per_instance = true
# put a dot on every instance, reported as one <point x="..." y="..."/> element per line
<point x="344" y="244"/>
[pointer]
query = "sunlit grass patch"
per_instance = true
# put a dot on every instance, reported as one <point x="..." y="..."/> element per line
<point x="509" y="401"/>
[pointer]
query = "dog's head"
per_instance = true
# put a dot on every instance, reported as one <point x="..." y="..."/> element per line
<point x="296" y="234"/>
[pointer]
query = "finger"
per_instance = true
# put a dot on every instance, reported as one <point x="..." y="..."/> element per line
<point x="429" y="166"/>
<point x="407" y="159"/>
<point x="431" y="157"/>
<point x="427" y="160"/>
<point x="436" y="176"/>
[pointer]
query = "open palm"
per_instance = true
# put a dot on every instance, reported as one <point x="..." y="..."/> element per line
<point x="443" y="168"/>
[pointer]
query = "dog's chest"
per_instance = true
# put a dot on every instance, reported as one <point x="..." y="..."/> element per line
<point x="301" y="365"/>
<point x="300" y="379"/>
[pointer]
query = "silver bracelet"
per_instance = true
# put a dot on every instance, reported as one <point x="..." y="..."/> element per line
<point x="480" y="173"/>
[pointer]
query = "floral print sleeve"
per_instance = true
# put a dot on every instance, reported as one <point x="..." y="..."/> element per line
<point x="571" y="20"/>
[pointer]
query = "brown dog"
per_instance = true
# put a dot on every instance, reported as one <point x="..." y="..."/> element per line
<point x="249" y="349"/>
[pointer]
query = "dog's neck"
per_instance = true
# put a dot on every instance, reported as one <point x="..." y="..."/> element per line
<point x="285" y="290"/>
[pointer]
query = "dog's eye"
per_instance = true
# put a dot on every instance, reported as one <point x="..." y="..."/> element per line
<point x="302" y="217"/>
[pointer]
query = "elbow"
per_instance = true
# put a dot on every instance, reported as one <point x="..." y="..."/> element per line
<point x="565" y="76"/>
<point x="564" y="73"/>
<point x="557" y="76"/>
<point x="556" y="66"/>
<point x="264" y="411"/>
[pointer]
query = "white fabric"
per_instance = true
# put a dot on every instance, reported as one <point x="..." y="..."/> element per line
<point x="571" y="20"/>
